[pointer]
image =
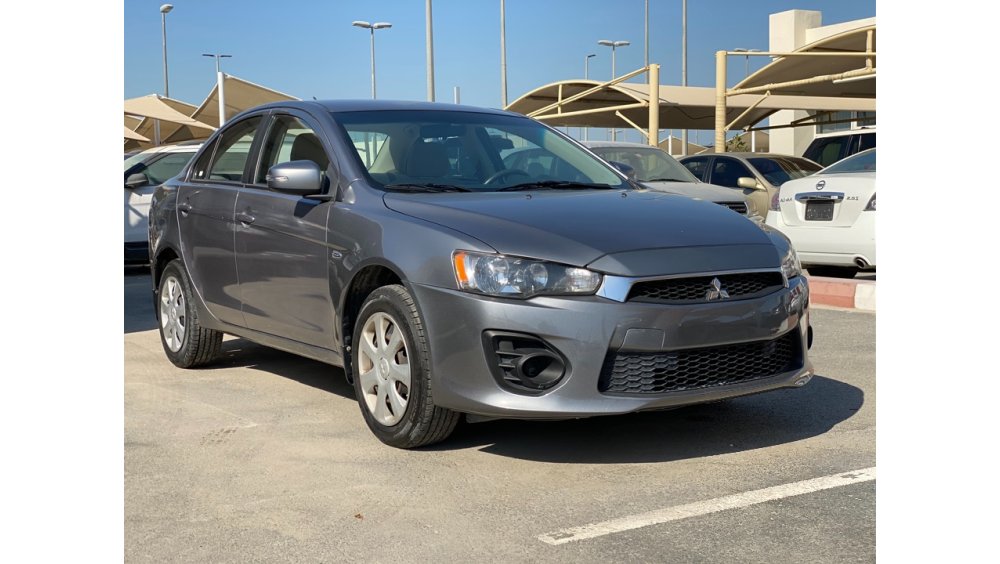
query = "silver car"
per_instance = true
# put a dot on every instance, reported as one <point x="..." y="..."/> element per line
<point x="758" y="175"/>
<point x="390" y="238"/>
<point x="656" y="169"/>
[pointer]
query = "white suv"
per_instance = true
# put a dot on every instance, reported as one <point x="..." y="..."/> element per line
<point x="143" y="173"/>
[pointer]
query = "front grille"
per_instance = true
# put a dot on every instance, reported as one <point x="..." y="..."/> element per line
<point x="696" y="289"/>
<point x="738" y="207"/>
<point x="694" y="369"/>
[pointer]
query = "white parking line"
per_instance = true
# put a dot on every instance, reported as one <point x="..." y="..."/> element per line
<point x="698" y="508"/>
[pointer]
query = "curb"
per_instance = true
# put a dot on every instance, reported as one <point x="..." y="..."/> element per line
<point x="839" y="292"/>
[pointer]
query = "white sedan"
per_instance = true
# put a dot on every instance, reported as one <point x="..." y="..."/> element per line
<point x="143" y="173"/>
<point x="830" y="217"/>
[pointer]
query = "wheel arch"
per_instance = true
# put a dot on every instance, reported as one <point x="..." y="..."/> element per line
<point x="374" y="274"/>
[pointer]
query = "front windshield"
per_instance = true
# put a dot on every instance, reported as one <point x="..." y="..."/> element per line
<point x="778" y="170"/>
<point x="437" y="150"/>
<point x="135" y="159"/>
<point x="650" y="164"/>
<point x="861" y="162"/>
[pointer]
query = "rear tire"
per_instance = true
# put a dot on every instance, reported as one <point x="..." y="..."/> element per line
<point x="833" y="271"/>
<point x="390" y="362"/>
<point x="185" y="341"/>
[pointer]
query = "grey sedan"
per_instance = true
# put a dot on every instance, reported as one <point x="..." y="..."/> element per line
<point x="390" y="238"/>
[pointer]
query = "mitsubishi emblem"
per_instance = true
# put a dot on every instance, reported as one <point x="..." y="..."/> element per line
<point x="716" y="291"/>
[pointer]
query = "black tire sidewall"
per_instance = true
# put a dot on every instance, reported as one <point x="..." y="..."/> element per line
<point x="388" y="300"/>
<point x="184" y="355"/>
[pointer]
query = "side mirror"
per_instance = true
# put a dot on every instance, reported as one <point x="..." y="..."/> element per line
<point x="136" y="180"/>
<point x="750" y="183"/>
<point x="296" y="177"/>
<point x="625" y="169"/>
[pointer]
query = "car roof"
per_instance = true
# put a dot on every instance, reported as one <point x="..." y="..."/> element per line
<point x="336" y="106"/>
<point x="751" y="155"/>
<point x="185" y="147"/>
<point x="597" y="144"/>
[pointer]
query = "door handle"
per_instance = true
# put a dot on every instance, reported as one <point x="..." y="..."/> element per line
<point x="245" y="218"/>
<point x="184" y="208"/>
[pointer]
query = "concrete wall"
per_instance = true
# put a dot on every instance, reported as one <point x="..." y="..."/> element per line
<point x="789" y="31"/>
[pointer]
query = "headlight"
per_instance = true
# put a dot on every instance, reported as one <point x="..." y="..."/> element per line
<point x="515" y="277"/>
<point x="790" y="266"/>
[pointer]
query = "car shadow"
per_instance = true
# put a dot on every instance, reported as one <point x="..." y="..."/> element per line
<point x="241" y="353"/>
<point x="139" y="314"/>
<point x="735" y="425"/>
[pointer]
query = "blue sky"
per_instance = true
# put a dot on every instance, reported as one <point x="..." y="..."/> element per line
<point x="309" y="48"/>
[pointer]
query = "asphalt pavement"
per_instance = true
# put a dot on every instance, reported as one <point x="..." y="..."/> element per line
<point x="265" y="457"/>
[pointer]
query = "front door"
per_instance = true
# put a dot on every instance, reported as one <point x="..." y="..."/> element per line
<point x="281" y="252"/>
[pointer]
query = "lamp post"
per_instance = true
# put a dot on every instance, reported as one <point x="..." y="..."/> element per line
<point x="684" y="66"/>
<point x="221" y="78"/>
<point x="614" y="45"/>
<point x="503" y="56"/>
<point x="164" y="10"/>
<point x="746" y="73"/>
<point x="372" y="27"/>
<point x="586" y="76"/>
<point x="430" y="54"/>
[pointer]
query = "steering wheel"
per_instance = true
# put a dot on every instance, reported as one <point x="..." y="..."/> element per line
<point x="503" y="174"/>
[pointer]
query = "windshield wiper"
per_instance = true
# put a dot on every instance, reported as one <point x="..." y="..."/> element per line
<point x="555" y="185"/>
<point x="431" y="187"/>
<point x="666" y="180"/>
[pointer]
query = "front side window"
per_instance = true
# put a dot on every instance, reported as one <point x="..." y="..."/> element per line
<point x="231" y="154"/>
<point x="777" y="170"/>
<point x="166" y="168"/>
<point x="290" y="139"/>
<point x="468" y="151"/>
<point x="727" y="172"/>
<point x="651" y="165"/>
<point x="827" y="151"/>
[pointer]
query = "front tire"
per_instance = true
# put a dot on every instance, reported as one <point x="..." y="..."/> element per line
<point x="185" y="341"/>
<point x="390" y="362"/>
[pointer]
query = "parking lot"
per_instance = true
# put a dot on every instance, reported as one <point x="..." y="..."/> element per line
<point x="264" y="456"/>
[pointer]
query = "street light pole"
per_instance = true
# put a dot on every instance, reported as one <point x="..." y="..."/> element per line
<point x="684" y="66"/>
<point x="221" y="81"/>
<point x="164" y="10"/>
<point x="372" y="27"/>
<point x="430" y="54"/>
<point x="614" y="45"/>
<point x="503" y="55"/>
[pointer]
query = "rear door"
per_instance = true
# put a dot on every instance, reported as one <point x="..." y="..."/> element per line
<point x="206" y="204"/>
<point x="281" y="253"/>
<point x="161" y="167"/>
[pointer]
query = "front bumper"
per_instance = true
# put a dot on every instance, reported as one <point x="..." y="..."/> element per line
<point x="584" y="330"/>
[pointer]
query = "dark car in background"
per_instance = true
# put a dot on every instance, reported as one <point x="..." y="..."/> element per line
<point x="391" y="238"/>
<point x="827" y="149"/>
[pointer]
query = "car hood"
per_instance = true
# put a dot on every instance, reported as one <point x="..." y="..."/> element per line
<point x="702" y="190"/>
<point x="577" y="228"/>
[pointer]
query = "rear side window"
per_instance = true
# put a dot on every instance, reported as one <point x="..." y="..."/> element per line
<point x="200" y="168"/>
<point x="867" y="140"/>
<point x="827" y="151"/>
<point x="167" y="167"/>
<point x="231" y="153"/>
<point x="727" y="172"/>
